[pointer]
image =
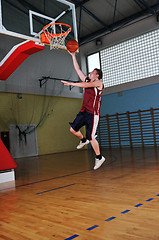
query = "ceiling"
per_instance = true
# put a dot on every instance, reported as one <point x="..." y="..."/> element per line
<point x="95" y="18"/>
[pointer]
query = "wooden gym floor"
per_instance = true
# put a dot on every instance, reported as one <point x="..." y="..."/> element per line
<point x="59" y="196"/>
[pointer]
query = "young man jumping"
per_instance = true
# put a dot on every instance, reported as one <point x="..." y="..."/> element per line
<point x="90" y="111"/>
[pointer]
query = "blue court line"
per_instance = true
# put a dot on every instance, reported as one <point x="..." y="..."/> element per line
<point x="72" y="237"/>
<point x="109" y="219"/>
<point x="150" y="199"/>
<point x="56" y="188"/>
<point x="138" y="205"/>
<point x="125" y="211"/>
<point x="91" y="228"/>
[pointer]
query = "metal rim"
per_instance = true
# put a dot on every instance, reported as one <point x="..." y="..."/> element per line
<point x="57" y="34"/>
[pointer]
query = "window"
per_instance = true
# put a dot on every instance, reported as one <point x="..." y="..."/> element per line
<point x="93" y="62"/>
<point x="131" y="60"/>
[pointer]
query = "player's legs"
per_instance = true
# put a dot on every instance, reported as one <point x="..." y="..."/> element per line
<point x="91" y="127"/>
<point x="95" y="146"/>
<point x="76" y="125"/>
<point x="77" y="134"/>
<point x="99" y="160"/>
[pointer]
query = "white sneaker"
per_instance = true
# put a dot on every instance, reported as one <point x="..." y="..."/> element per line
<point x="98" y="163"/>
<point x="81" y="144"/>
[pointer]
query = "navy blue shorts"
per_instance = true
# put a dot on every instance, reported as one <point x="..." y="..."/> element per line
<point x="86" y="119"/>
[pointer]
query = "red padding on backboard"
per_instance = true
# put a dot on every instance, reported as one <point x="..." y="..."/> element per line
<point x="44" y="39"/>
<point x="6" y="160"/>
<point x="17" y="57"/>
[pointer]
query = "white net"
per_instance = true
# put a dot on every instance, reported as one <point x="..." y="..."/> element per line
<point x="57" y="40"/>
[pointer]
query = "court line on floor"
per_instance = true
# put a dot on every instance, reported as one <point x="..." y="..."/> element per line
<point x="93" y="227"/>
<point x="111" y="218"/>
<point x="72" y="237"/>
<point x="49" y="179"/>
<point x="126" y="211"/>
<point x="50" y="190"/>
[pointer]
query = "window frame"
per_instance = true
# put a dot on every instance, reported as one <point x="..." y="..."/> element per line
<point x="87" y="60"/>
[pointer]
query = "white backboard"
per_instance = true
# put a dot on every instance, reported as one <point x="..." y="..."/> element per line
<point x="25" y="19"/>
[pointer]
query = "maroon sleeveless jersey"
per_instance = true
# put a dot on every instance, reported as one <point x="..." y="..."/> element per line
<point x="92" y="100"/>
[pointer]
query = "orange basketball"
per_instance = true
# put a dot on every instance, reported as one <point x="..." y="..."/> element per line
<point x="72" y="45"/>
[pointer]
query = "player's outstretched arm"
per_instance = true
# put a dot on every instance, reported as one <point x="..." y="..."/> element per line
<point x="81" y="75"/>
<point x="97" y="84"/>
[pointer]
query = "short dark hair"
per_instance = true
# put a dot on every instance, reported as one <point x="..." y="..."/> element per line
<point x="99" y="72"/>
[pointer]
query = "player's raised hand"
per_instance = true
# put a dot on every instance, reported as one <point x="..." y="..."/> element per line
<point x="71" y="53"/>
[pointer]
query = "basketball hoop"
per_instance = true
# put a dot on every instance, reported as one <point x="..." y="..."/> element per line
<point x="56" y="34"/>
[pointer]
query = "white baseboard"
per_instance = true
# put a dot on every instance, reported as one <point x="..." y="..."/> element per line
<point x="7" y="176"/>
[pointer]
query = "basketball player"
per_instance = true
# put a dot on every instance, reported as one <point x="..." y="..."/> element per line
<point x="90" y="111"/>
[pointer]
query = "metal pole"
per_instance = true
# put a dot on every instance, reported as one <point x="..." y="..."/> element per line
<point x="0" y="14"/>
<point x="79" y="28"/>
<point x="147" y="6"/>
<point x="114" y="11"/>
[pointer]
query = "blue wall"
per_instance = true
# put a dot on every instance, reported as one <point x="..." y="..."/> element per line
<point x="131" y="100"/>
